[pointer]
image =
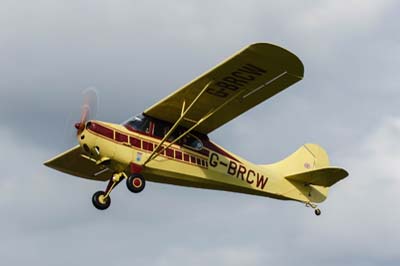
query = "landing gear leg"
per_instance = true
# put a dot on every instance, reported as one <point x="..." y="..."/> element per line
<point x="101" y="199"/>
<point x="314" y="206"/>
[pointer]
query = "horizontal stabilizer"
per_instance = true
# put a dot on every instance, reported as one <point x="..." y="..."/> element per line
<point x="325" y="177"/>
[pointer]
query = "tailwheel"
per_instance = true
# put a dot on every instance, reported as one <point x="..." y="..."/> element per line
<point x="101" y="200"/>
<point x="316" y="210"/>
<point x="135" y="183"/>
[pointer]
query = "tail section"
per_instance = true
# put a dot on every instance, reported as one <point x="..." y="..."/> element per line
<point x="309" y="171"/>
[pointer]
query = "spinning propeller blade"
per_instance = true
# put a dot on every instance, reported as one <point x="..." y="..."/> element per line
<point x="89" y="108"/>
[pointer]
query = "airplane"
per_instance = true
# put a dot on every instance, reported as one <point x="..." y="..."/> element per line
<point x="168" y="143"/>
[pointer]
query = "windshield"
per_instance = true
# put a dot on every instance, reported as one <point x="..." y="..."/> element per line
<point x="139" y="123"/>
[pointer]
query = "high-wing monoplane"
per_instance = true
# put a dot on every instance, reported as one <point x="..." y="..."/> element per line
<point x="169" y="143"/>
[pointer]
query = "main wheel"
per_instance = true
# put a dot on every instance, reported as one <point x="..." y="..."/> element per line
<point x="135" y="183"/>
<point x="317" y="212"/>
<point x="100" y="201"/>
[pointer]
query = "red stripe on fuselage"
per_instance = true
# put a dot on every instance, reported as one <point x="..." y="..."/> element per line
<point x="119" y="137"/>
<point x="208" y="144"/>
<point x="147" y="146"/>
<point x="135" y="142"/>
<point x="104" y="131"/>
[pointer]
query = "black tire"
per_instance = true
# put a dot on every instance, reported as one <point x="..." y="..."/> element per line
<point x="135" y="183"/>
<point x="317" y="212"/>
<point x="101" y="204"/>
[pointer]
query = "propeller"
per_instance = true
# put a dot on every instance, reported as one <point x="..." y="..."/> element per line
<point x="89" y="108"/>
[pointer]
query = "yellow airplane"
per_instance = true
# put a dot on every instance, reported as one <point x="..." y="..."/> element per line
<point x="168" y="142"/>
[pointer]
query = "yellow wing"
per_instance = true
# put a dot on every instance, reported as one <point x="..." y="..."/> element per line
<point x="71" y="162"/>
<point x="244" y="80"/>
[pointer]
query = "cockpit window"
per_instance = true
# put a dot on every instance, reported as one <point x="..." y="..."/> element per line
<point x="160" y="128"/>
<point x="139" y="123"/>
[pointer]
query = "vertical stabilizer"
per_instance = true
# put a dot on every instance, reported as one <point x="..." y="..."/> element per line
<point x="307" y="157"/>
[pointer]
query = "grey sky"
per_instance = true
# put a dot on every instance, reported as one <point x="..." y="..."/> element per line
<point x="137" y="52"/>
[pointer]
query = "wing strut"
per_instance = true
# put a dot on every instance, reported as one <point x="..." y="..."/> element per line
<point x="160" y="148"/>
<point x="157" y="151"/>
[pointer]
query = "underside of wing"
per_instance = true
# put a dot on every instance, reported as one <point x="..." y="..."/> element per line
<point x="244" y="80"/>
<point x="71" y="162"/>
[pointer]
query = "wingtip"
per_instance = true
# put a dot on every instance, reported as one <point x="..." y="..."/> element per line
<point x="297" y="66"/>
<point x="47" y="163"/>
<point x="343" y="172"/>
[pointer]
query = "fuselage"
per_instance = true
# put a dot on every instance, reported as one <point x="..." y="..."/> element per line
<point x="194" y="164"/>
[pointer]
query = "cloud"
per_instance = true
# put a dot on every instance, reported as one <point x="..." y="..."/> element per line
<point x="368" y="197"/>
<point x="218" y="256"/>
<point x="383" y="152"/>
<point x="346" y="15"/>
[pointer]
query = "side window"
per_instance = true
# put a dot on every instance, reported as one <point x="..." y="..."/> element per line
<point x="146" y="126"/>
<point x="160" y="129"/>
<point x="192" y="142"/>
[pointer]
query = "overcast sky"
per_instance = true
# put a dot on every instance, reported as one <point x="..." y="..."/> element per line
<point x="137" y="52"/>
